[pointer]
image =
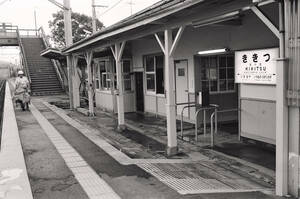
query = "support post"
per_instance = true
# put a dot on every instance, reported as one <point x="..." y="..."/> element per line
<point x="118" y="53"/>
<point x="75" y="83"/>
<point x="69" y="42"/>
<point x="89" y="58"/>
<point x="281" y="130"/>
<point x="294" y="114"/>
<point x="70" y="80"/>
<point x="170" y="94"/>
<point x="281" y="114"/>
<point x="169" y="48"/>
<point x="294" y="139"/>
<point x="282" y="120"/>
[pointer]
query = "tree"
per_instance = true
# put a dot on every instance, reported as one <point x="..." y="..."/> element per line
<point x="81" y="27"/>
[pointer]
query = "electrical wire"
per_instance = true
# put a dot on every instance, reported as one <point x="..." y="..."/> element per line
<point x="110" y="8"/>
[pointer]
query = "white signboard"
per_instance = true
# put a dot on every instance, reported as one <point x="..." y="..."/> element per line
<point x="256" y="66"/>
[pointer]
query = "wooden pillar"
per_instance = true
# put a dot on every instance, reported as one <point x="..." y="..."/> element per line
<point x="282" y="144"/>
<point x="294" y="113"/>
<point x="118" y="53"/>
<point x="70" y="80"/>
<point x="75" y="83"/>
<point x="282" y="120"/>
<point x="170" y="94"/>
<point x="89" y="58"/>
<point x="168" y="48"/>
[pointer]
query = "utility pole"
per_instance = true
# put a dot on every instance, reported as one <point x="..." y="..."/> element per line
<point x="35" y="25"/>
<point x="68" y="23"/>
<point x="131" y="6"/>
<point x="66" y="7"/>
<point x="69" y="42"/>
<point x="94" y="15"/>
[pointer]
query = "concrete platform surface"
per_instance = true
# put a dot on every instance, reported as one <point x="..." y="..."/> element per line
<point x="184" y="176"/>
<point x="131" y="167"/>
<point x="14" y="182"/>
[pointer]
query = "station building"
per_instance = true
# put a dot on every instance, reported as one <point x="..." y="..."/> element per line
<point x="239" y="54"/>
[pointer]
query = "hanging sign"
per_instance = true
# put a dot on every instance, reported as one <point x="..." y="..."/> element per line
<point x="256" y="66"/>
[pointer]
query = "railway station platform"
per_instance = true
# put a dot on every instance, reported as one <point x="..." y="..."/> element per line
<point x="65" y="153"/>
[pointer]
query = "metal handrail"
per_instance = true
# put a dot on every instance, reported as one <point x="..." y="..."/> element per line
<point x="181" y="115"/>
<point x="228" y="110"/>
<point x="42" y="34"/>
<point x="211" y="106"/>
<point x="212" y="131"/>
<point x="24" y="57"/>
<point x="185" y="103"/>
<point x="28" y="31"/>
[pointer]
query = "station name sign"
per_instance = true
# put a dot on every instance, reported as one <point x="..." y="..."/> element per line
<point x="256" y="66"/>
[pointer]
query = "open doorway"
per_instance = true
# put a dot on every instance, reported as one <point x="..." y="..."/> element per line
<point x="139" y="89"/>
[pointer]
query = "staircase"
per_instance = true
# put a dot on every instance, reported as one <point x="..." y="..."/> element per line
<point x="44" y="80"/>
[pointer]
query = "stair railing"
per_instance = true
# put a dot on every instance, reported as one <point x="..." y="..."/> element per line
<point x="57" y="66"/>
<point x="23" y="57"/>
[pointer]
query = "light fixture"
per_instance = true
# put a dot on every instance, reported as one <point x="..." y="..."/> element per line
<point x="214" y="51"/>
<point x="217" y="19"/>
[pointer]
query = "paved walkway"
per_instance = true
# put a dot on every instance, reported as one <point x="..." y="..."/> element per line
<point x="93" y="185"/>
<point x="204" y="177"/>
<point x="127" y="181"/>
<point x="96" y="166"/>
<point x="184" y="176"/>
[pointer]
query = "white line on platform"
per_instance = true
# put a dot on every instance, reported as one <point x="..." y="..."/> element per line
<point x="92" y="184"/>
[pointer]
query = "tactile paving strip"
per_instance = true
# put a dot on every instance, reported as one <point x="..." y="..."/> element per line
<point x="184" y="183"/>
<point x="92" y="184"/>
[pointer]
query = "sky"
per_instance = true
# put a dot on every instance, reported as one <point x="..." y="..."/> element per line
<point x="21" y="13"/>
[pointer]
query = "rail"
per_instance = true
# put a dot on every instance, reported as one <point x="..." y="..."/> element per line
<point x="213" y="119"/>
<point x="28" y="32"/>
<point x="181" y="114"/>
<point x="59" y="71"/>
<point x="212" y="130"/>
<point x="23" y="57"/>
<point x="8" y="28"/>
<point x="204" y="109"/>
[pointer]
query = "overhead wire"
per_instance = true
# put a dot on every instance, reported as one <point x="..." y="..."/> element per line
<point x="110" y="8"/>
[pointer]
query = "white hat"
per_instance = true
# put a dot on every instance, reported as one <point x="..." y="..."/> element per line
<point x="20" y="72"/>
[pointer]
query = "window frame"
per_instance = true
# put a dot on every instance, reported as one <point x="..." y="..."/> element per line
<point x="218" y="91"/>
<point x="154" y="92"/>
<point x="109" y="73"/>
<point x="127" y="73"/>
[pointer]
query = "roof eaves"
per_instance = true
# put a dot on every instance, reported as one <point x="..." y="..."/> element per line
<point x="142" y="15"/>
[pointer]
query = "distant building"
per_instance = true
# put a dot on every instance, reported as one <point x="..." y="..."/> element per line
<point x="5" y="72"/>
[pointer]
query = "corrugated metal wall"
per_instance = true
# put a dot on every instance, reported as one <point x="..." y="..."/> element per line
<point x="293" y="50"/>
